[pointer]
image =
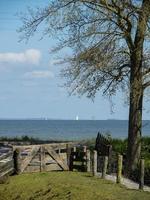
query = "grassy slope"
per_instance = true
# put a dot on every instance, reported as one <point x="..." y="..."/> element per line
<point x="65" y="185"/>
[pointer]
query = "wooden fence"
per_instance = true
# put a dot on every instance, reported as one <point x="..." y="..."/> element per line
<point x="34" y="158"/>
<point x="60" y="156"/>
<point x="6" y="161"/>
<point x="118" y="166"/>
<point x="79" y="159"/>
<point x="45" y="157"/>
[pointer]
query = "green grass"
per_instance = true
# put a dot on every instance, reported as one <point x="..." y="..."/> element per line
<point x="65" y="186"/>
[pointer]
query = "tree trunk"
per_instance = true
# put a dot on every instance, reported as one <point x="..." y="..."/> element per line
<point x="136" y="91"/>
<point x="135" y="116"/>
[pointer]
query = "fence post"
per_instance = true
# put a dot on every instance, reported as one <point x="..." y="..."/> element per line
<point x="74" y="150"/>
<point x="84" y="148"/>
<point x="42" y="159"/>
<point x="16" y="157"/>
<point x="109" y="159"/>
<point x="141" y="184"/>
<point x="59" y="151"/>
<point x="94" y="163"/>
<point x="119" y="169"/>
<point x="84" y="158"/>
<point x="72" y="157"/>
<point x="105" y="165"/>
<point x="68" y="152"/>
<point x="88" y="161"/>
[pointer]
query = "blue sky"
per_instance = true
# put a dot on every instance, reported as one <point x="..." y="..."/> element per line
<point x="30" y="82"/>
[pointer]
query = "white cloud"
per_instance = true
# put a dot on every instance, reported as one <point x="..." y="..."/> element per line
<point x="32" y="56"/>
<point x="55" y="62"/>
<point x="39" y="74"/>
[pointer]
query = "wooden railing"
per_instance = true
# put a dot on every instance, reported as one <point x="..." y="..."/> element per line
<point x="79" y="158"/>
<point x="6" y="161"/>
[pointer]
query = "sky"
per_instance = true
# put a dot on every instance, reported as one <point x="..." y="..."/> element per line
<point x="30" y="84"/>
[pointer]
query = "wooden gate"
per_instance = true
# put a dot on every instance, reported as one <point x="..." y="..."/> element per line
<point x="47" y="157"/>
<point x="78" y="159"/>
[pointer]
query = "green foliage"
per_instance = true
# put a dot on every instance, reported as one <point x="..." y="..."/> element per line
<point x="90" y="143"/>
<point x="23" y="138"/>
<point x="29" y="140"/>
<point x="119" y="146"/>
<point x="146" y="147"/>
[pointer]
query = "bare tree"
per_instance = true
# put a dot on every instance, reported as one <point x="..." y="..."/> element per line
<point x="110" y="50"/>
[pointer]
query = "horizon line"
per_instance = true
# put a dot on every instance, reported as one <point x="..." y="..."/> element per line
<point x="48" y="118"/>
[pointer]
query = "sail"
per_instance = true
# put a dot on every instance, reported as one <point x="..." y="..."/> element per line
<point x="77" y="118"/>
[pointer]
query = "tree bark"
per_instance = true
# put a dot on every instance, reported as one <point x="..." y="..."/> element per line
<point x="136" y="91"/>
<point x="135" y="116"/>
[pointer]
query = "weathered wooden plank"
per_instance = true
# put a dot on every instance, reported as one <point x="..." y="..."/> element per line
<point x="74" y="152"/>
<point x="50" y="162"/>
<point x="72" y="157"/>
<point x="42" y="158"/>
<point x="30" y="169"/>
<point x="68" y="154"/>
<point x="23" y="147"/>
<point x="57" y="158"/>
<point x="105" y="165"/>
<point x="28" y="159"/>
<point x="58" y="145"/>
<point x="84" y="161"/>
<point x="119" y="169"/>
<point x="35" y="164"/>
<point x="5" y="161"/>
<point x="4" y="156"/>
<point x="8" y="172"/>
<point x="53" y="167"/>
<point x="55" y="146"/>
<point x="88" y="161"/>
<point x="5" y="149"/>
<point x="94" y="163"/>
<point x="17" y="161"/>
<point x="6" y="166"/>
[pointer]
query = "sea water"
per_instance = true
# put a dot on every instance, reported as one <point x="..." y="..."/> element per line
<point x="67" y="129"/>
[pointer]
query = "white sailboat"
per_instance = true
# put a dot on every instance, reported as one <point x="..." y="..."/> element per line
<point x="77" y="118"/>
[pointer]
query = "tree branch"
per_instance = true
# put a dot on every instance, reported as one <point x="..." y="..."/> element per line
<point x="146" y="72"/>
<point x="146" y="85"/>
